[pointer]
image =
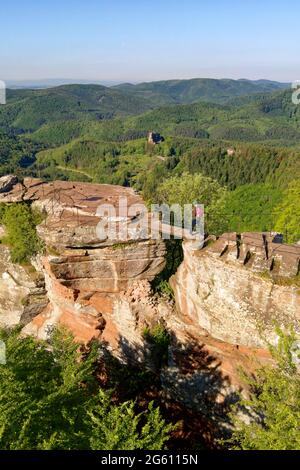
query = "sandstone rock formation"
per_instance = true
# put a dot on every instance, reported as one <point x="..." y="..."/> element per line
<point x="237" y="287"/>
<point x="228" y="294"/>
<point x="22" y="292"/>
<point x="7" y="183"/>
<point x="82" y="271"/>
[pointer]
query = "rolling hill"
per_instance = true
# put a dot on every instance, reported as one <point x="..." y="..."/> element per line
<point x="27" y="110"/>
<point x="56" y="116"/>
<point x="265" y="117"/>
<point x="95" y="133"/>
<point x="198" y="89"/>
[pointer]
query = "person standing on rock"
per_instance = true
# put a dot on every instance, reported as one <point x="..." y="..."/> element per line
<point x="198" y="224"/>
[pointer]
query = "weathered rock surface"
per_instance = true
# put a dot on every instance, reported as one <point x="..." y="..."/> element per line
<point x="7" y="183"/>
<point x="228" y="294"/>
<point x="81" y="270"/>
<point x="236" y="288"/>
<point x="201" y="371"/>
<point x="22" y="293"/>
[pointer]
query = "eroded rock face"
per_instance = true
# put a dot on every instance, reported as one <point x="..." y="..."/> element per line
<point x="228" y="294"/>
<point x="22" y="293"/>
<point x="7" y="183"/>
<point x="84" y="273"/>
<point x="200" y="371"/>
<point x="237" y="288"/>
<point x="109" y="269"/>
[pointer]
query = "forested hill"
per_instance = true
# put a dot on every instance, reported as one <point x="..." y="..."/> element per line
<point x="57" y="115"/>
<point x="268" y="118"/>
<point x="250" y="146"/>
<point x="259" y="118"/>
<point x="30" y="109"/>
<point x="198" y="89"/>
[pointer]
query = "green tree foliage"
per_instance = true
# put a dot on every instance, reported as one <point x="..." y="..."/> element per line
<point x="197" y="89"/>
<point x="149" y="181"/>
<point x="273" y="404"/>
<point x="159" y="340"/>
<point x="188" y="188"/>
<point x="248" y="164"/>
<point x="251" y="207"/>
<point x="42" y="396"/>
<point x="121" y="428"/>
<point x="49" y="399"/>
<point x="49" y="116"/>
<point x="20" y="223"/>
<point x="16" y="153"/>
<point x="287" y="213"/>
<point x="32" y="109"/>
<point x="93" y="133"/>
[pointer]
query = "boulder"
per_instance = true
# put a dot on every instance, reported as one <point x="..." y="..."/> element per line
<point x="7" y="183"/>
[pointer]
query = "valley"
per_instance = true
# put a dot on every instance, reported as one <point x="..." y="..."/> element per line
<point x="163" y="327"/>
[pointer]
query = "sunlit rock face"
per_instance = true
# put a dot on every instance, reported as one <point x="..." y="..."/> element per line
<point x="238" y="287"/>
<point x="22" y="292"/>
<point x="84" y="271"/>
<point x="7" y="183"/>
<point x="228" y="294"/>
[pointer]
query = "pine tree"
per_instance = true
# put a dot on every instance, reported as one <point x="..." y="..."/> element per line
<point x="120" y="428"/>
<point x="273" y="406"/>
<point x="49" y="399"/>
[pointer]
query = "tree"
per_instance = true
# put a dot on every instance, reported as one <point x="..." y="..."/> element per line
<point x="50" y="399"/>
<point x="44" y="392"/>
<point x="120" y="428"/>
<point x="20" y="223"/>
<point x="288" y="213"/>
<point x="250" y="207"/>
<point x="187" y="188"/>
<point x="274" y="403"/>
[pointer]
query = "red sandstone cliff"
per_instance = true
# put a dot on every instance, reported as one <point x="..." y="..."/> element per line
<point x="228" y="294"/>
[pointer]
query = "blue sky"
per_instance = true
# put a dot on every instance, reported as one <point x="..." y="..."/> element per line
<point x="143" y="40"/>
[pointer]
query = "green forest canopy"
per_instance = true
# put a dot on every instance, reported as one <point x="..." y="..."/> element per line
<point x="91" y="133"/>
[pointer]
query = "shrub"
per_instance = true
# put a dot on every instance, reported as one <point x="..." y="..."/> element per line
<point x="159" y="341"/>
<point x="20" y="222"/>
<point x="274" y="403"/>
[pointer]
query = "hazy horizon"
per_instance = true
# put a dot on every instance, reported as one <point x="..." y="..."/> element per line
<point x="138" y="41"/>
<point x="45" y="82"/>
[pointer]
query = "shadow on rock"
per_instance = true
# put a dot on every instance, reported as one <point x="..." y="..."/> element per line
<point x="189" y="388"/>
